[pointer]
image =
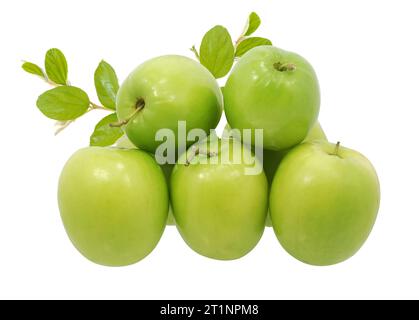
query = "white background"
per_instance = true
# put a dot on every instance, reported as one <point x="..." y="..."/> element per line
<point x="366" y="54"/>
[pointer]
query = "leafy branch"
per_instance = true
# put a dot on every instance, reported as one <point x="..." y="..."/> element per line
<point x="66" y="103"/>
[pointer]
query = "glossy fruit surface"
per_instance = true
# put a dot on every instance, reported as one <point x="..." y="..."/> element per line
<point x="220" y="211"/>
<point x="323" y="203"/>
<point x="273" y="90"/>
<point x="163" y="91"/>
<point x="167" y="168"/>
<point x="272" y="159"/>
<point x="113" y="204"/>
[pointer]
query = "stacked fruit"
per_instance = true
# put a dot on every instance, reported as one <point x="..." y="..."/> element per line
<point x="321" y="198"/>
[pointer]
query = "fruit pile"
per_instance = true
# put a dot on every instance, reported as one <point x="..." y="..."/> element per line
<point x="155" y="160"/>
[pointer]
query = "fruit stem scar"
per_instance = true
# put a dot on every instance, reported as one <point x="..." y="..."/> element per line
<point x="139" y="105"/>
<point x="197" y="151"/>
<point x="282" y="67"/>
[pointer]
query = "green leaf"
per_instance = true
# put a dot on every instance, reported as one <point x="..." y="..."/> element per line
<point x="56" y="66"/>
<point x="63" y="103"/>
<point x="250" y="43"/>
<point x="105" y="135"/>
<point x="217" y="51"/>
<point x="32" y="68"/>
<point x="253" y="24"/>
<point x="106" y="83"/>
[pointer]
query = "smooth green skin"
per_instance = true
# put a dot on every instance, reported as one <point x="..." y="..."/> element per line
<point x="272" y="159"/>
<point x="113" y="204"/>
<point x="323" y="206"/>
<point x="174" y="88"/>
<point x="167" y="168"/>
<point x="316" y="133"/>
<point x="285" y="104"/>
<point x="220" y="211"/>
